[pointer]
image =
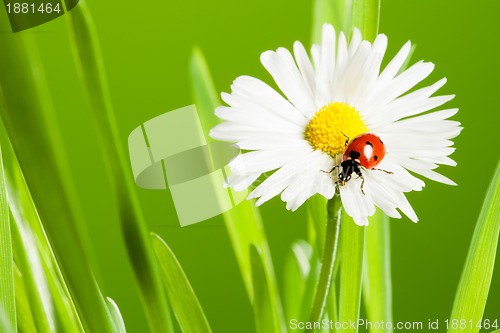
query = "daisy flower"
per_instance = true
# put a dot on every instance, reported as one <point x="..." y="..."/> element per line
<point x="327" y="100"/>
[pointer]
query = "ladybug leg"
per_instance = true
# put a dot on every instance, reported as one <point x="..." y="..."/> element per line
<point x="362" y="182"/>
<point x="388" y="172"/>
<point x="335" y="167"/>
<point x="346" y="139"/>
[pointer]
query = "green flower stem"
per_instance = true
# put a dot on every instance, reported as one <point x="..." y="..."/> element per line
<point x="334" y="208"/>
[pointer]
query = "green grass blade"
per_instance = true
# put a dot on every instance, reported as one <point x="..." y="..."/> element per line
<point x="332" y="305"/>
<point x="29" y="263"/>
<point x="119" y="325"/>
<point x="5" y="325"/>
<point x="243" y="222"/>
<point x="7" y="290"/>
<point x="267" y="320"/>
<point x="26" y="322"/>
<point x="134" y="228"/>
<point x="29" y="119"/>
<point x="244" y="226"/>
<point x="474" y="285"/>
<point x="22" y="207"/>
<point x="185" y="305"/>
<point x="352" y="240"/>
<point x="377" y="288"/>
<point x="366" y="16"/>
<point x="336" y="12"/>
<point x="300" y="278"/>
<point x="204" y="92"/>
<point x="297" y="268"/>
<point x="316" y="221"/>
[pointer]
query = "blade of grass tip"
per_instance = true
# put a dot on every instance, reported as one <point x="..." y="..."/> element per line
<point x="204" y="92"/>
<point x="366" y="16"/>
<point x="119" y="325"/>
<point x="25" y="322"/>
<point x="89" y="62"/>
<point x="243" y="222"/>
<point x="406" y="64"/>
<point x="336" y="12"/>
<point x="7" y="290"/>
<point x="183" y="300"/>
<point x="377" y="288"/>
<point x="29" y="119"/>
<point x="474" y="285"/>
<point x="352" y="240"/>
<point x="22" y="206"/>
<point x="263" y="300"/>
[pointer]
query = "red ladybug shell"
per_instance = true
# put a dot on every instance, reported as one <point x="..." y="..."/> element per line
<point x="368" y="149"/>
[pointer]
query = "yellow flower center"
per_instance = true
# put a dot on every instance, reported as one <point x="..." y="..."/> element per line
<point x="331" y="125"/>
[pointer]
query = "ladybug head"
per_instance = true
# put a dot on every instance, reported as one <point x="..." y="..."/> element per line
<point x="343" y="178"/>
<point x="347" y="168"/>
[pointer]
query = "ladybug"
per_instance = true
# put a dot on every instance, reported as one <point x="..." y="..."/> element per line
<point x="366" y="151"/>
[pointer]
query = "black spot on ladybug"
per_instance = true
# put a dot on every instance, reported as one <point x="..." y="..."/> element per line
<point x="375" y="157"/>
<point x="369" y="143"/>
<point x="354" y="155"/>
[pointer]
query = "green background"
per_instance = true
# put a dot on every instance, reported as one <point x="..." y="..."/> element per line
<point x="146" y="48"/>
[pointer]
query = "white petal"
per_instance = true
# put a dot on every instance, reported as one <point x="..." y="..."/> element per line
<point x="362" y="221"/>
<point x="273" y="141"/>
<point x="401" y="83"/>
<point x="304" y="64"/>
<point x="346" y="88"/>
<point x="307" y="183"/>
<point x="278" y="181"/>
<point x="341" y="55"/>
<point x="356" y="204"/>
<point x="355" y="42"/>
<point x="281" y="66"/>
<point x="315" y="55"/>
<point x="248" y="92"/>
<point x="240" y="182"/>
<point x="265" y="160"/>
<point x="255" y="118"/>
<point x="406" y="208"/>
<point x="392" y="69"/>
<point x="326" y="69"/>
<point x="433" y="175"/>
